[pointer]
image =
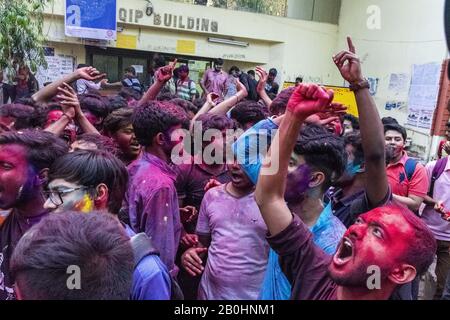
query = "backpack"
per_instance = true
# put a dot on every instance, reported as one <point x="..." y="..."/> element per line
<point x="142" y="247"/>
<point x="410" y="167"/>
<point x="438" y="169"/>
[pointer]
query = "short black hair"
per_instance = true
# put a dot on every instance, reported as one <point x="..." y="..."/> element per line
<point x="117" y="120"/>
<point x="215" y="121"/>
<point x="90" y="168"/>
<point x="354" y="139"/>
<point x="299" y="79"/>
<point x="101" y="142"/>
<point x="95" y="104"/>
<point x="43" y="259"/>
<point x="185" y="104"/>
<point x="354" y="120"/>
<point x="130" y="93"/>
<point x="248" y="112"/>
<point x="233" y="68"/>
<point x="42" y="147"/>
<point x="251" y="72"/>
<point x="22" y="113"/>
<point x="273" y="71"/>
<point x="389" y="120"/>
<point x="279" y="104"/>
<point x="131" y="70"/>
<point x="396" y="127"/>
<point x="166" y="96"/>
<point x="154" y="117"/>
<point x="322" y="151"/>
<point x="218" y="61"/>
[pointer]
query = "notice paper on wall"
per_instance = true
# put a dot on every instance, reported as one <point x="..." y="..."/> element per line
<point x="57" y="66"/>
<point x="423" y="94"/>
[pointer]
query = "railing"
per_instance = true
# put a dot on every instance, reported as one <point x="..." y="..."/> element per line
<point x="270" y="7"/>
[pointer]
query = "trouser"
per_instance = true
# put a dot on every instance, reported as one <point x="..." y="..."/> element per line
<point x="9" y="92"/>
<point x="442" y="266"/>
<point x="446" y="294"/>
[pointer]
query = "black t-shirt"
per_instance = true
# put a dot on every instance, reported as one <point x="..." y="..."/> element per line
<point x="12" y="229"/>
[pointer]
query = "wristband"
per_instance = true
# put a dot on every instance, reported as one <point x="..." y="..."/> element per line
<point x="364" y="84"/>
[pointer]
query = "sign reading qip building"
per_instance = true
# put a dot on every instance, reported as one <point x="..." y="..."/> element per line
<point x="92" y="19"/>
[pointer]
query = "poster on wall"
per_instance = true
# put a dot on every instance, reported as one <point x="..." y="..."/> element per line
<point x="57" y="66"/>
<point x="91" y="19"/>
<point x="423" y="94"/>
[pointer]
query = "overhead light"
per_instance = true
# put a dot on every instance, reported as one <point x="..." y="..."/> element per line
<point x="230" y="42"/>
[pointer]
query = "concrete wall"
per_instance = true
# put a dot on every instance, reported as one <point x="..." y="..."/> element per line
<point x="412" y="32"/>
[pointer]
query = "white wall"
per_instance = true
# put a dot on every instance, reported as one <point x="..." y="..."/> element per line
<point x="412" y="32"/>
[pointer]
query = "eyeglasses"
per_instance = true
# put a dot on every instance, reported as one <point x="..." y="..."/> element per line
<point x="56" y="196"/>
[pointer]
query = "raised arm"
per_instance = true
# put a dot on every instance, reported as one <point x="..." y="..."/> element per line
<point x="223" y="107"/>
<point x="260" y="88"/>
<point x="371" y="127"/>
<point x="88" y="73"/>
<point x="69" y="98"/>
<point x="306" y="100"/>
<point x="162" y="75"/>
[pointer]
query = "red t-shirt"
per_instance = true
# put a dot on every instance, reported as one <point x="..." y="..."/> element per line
<point x="418" y="185"/>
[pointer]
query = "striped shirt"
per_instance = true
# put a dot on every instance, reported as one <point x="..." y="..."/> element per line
<point x="186" y="89"/>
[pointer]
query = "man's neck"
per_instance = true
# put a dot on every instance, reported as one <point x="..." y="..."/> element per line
<point x="238" y="192"/>
<point x="354" y="293"/>
<point x="157" y="152"/>
<point x="32" y="208"/>
<point x="308" y="210"/>
<point x="357" y="185"/>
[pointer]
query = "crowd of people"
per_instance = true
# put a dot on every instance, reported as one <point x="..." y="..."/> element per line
<point x="244" y="193"/>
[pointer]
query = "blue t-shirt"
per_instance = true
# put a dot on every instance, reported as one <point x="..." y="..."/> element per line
<point x="151" y="280"/>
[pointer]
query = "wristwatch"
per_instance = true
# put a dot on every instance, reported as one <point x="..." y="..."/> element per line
<point x="364" y="84"/>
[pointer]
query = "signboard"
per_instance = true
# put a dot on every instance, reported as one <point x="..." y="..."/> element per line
<point x="341" y="95"/>
<point x="91" y="19"/>
<point x="57" y="66"/>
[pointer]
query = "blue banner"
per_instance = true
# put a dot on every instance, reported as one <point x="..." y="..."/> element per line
<point x="92" y="19"/>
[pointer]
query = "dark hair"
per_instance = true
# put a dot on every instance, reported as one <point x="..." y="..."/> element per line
<point x="117" y="120"/>
<point x="252" y="72"/>
<point x="160" y="61"/>
<point x="130" y="93"/>
<point x="101" y="142"/>
<point x="118" y="102"/>
<point x="279" y="104"/>
<point x="183" y="68"/>
<point x="95" y="243"/>
<point x="131" y="70"/>
<point x="199" y="102"/>
<point x="23" y="115"/>
<point x="89" y="168"/>
<point x="218" y="61"/>
<point x="354" y="139"/>
<point x="248" y="112"/>
<point x="354" y="120"/>
<point x="299" y="79"/>
<point x="43" y="148"/>
<point x="422" y="246"/>
<point x="185" y="104"/>
<point x="82" y="65"/>
<point x="94" y="104"/>
<point x="233" y="68"/>
<point x="166" y="96"/>
<point x="447" y="124"/>
<point x="322" y="151"/>
<point x="396" y="127"/>
<point x="215" y="121"/>
<point x="154" y="117"/>
<point x="389" y="120"/>
<point x="273" y="71"/>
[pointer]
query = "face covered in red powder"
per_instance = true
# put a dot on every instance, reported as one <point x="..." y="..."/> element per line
<point x="379" y="238"/>
<point x="53" y="116"/>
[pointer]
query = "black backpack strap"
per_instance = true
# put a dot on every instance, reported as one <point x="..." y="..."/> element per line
<point x="142" y="247"/>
